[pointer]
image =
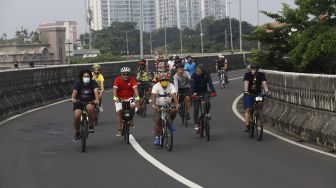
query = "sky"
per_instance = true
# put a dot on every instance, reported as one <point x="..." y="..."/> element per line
<point x="30" y="13"/>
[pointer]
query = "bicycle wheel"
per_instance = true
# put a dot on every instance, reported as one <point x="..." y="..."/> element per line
<point x="259" y="129"/>
<point x="207" y="129"/>
<point x="162" y="137"/>
<point x="97" y="116"/>
<point x="251" y="131"/>
<point x="144" y="108"/>
<point x="201" y="127"/>
<point x="84" y="132"/>
<point x="169" y="136"/>
<point x="127" y="132"/>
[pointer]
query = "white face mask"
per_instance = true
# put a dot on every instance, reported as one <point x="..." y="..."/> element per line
<point x="86" y="80"/>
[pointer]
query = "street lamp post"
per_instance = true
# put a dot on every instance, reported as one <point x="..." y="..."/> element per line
<point x="201" y="27"/>
<point x="240" y="28"/>
<point x="141" y="29"/>
<point x="258" y="16"/>
<point x="69" y="51"/>
<point x="127" y="51"/>
<point x="181" y="40"/>
<point x="231" y="39"/>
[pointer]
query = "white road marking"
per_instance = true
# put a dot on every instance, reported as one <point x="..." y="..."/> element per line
<point x="235" y="110"/>
<point x="161" y="166"/>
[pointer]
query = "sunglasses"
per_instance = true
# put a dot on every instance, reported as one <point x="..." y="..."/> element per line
<point x="125" y="74"/>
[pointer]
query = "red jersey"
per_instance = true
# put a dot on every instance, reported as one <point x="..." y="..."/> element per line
<point x="125" y="89"/>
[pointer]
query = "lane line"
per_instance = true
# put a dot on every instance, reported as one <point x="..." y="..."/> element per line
<point x="235" y="110"/>
<point x="161" y="166"/>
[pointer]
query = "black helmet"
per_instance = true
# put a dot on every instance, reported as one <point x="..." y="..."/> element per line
<point x="254" y="66"/>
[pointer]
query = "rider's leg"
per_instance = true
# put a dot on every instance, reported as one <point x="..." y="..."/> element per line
<point x="157" y="123"/>
<point x="226" y="76"/>
<point x="77" y="115"/>
<point x="187" y="103"/>
<point x="196" y="111"/>
<point x="90" y="109"/>
<point x="248" y="116"/>
<point x="119" y="127"/>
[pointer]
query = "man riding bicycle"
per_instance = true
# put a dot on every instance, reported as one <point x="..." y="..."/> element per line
<point x="163" y="93"/>
<point x="84" y="90"/>
<point x="182" y="86"/>
<point x="143" y="79"/>
<point x="201" y="80"/>
<point x="190" y="66"/>
<point x="222" y="65"/>
<point x="124" y="88"/>
<point x="254" y="81"/>
<point x="99" y="78"/>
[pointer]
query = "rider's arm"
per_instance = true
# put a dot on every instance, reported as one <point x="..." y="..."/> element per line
<point x="192" y="81"/>
<point x="135" y="87"/>
<point x="176" y="82"/>
<point x="226" y="64"/>
<point x="174" y="95"/>
<point x="246" y="83"/>
<point x="74" y="94"/>
<point x="264" y="82"/>
<point x="211" y="86"/>
<point x="102" y="83"/>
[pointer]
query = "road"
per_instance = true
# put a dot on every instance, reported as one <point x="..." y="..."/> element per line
<point x="37" y="151"/>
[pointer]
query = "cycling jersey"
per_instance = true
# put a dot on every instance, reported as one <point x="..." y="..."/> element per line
<point x="200" y="83"/>
<point x="142" y="76"/>
<point x="255" y="81"/>
<point x="99" y="79"/>
<point x="221" y="65"/>
<point x="164" y="96"/>
<point x="190" y="67"/>
<point x="182" y="82"/>
<point x="125" y="88"/>
<point x="85" y="93"/>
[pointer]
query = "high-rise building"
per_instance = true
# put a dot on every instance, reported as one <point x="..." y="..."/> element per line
<point x="157" y="13"/>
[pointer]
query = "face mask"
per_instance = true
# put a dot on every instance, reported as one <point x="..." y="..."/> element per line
<point x="164" y="83"/>
<point x="86" y="80"/>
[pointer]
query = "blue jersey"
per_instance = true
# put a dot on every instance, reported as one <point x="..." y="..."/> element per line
<point x="190" y="67"/>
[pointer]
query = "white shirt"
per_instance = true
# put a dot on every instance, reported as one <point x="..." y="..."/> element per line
<point x="171" y="64"/>
<point x="164" y="96"/>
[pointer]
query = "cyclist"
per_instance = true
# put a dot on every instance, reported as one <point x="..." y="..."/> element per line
<point x="143" y="79"/>
<point x="222" y="65"/>
<point x="171" y="63"/>
<point x="201" y="80"/>
<point x="162" y="94"/>
<point x="190" y="66"/>
<point x="254" y="81"/>
<point x="182" y="86"/>
<point x="125" y="88"/>
<point x="84" y="90"/>
<point x="99" y="78"/>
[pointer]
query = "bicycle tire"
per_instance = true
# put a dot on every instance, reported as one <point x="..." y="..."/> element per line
<point x="201" y="127"/>
<point x="97" y="116"/>
<point x="84" y="131"/>
<point x="251" y="131"/>
<point x="127" y="133"/>
<point x="144" y="109"/>
<point x="185" y="122"/>
<point x="207" y="129"/>
<point x="162" y="137"/>
<point x="169" y="137"/>
<point x="259" y="129"/>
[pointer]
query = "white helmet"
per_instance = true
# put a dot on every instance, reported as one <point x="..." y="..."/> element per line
<point x="125" y="69"/>
<point x="221" y="56"/>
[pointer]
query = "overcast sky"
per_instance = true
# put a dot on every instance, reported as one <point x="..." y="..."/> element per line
<point x="30" y="13"/>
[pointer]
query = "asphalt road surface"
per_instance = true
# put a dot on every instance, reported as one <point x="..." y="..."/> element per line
<point x="37" y="151"/>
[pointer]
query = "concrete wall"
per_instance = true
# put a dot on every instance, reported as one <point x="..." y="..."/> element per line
<point x="28" y="88"/>
<point x="303" y="105"/>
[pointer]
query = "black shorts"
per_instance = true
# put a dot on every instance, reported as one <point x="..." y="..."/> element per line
<point x="143" y="88"/>
<point x="78" y="106"/>
<point x="183" y="92"/>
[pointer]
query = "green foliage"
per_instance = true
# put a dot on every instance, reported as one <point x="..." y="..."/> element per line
<point x="24" y="36"/>
<point x="303" y="41"/>
<point x="113" y="38"/>
<point x="107" y="57"/>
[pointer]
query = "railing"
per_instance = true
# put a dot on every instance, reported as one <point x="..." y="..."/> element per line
<point x="309" y="90"/>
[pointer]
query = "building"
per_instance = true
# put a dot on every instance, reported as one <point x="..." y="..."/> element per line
<point x="55" y="37"/>
<point x="70" y="33"/>
<point x="25" y="54"/>
<point x="157" y="13"/>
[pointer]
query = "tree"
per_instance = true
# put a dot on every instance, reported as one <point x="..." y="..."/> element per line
<point x="24" y="36"/>
<point x="303" y="39"/>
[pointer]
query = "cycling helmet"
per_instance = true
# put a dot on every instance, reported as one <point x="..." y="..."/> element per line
<point x="96" y="66"/>
<point x="142" y="62"/>
<point x="125" y="69"/>
<point x="254" y="66"/>
<point x="164" y="76"/>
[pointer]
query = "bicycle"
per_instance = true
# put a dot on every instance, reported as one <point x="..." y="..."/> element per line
<point x="143" y="101"/>
<point x="127" y="115"/>
<point x="256" y="128"/>
<point x="204" y="119"/>
<point x="84" y="128"/>
<point x="97" y="111"/>
<point x="166" y="137"/>
<point x="223" y="79"/>
<point x="183" y="111"/>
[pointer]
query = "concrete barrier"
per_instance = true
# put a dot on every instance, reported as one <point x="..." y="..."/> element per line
<point x="302" y="105"/>
<point x="28" y="88"/>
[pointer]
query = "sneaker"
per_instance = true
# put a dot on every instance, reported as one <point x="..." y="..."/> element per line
<point x="101" y="109"/>
<point x="91" y="129"/>
<point x="150" y="100"/>
<point x="188" y="116"/>
<point x="119" y="132"/>
<point x="137" y="111"/>
<point x="197" y="128"/>
<point x="76" y="137"/>
<point x="157" y="141"/>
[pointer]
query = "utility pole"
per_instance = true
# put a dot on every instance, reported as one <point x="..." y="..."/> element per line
<point x="141" y="29"/>
<point x="127" y="51"/>
<point x="231" y="40"/>
<point x="201" y="27"/>
<point x="258" y="20"/>
<point x="69" y="51"/>
<point x="240" y="28"/>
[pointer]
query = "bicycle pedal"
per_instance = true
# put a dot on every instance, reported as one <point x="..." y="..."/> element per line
<point x="208" y="116"/>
